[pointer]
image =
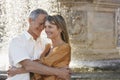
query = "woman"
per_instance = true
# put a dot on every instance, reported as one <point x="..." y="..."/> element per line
<point x="58" y="55"/>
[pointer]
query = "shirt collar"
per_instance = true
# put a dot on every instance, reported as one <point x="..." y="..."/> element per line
<point x="28" y="35"/>
<point x="39" y="39"/>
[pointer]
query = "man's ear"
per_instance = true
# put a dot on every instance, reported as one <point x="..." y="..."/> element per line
<point x="30" y="21"/>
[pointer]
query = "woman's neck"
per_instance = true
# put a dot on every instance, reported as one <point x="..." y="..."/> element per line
<point x="57" y="42"/>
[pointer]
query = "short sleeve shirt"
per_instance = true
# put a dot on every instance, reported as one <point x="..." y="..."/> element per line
<point x="24" y="47"/>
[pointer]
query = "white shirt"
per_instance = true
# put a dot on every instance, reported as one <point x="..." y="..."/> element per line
<point x="25" y="47"/>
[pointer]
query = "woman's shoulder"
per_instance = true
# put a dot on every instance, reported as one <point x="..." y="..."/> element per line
<point x="65" y="46"/>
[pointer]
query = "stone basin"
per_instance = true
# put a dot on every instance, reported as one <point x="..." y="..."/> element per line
<point x="96" y="65"/>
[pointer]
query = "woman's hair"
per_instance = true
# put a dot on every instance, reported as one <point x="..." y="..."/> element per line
<point x="35" y="13"/>
<point x="59" y="21"/>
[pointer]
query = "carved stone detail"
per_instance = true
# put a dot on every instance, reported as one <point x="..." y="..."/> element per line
<point x="78" y="25"/>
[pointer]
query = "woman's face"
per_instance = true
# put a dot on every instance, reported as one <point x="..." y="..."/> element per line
<point x="51" y="30"/>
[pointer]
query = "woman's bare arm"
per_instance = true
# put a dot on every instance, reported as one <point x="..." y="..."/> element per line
<point x="13" y="71"/>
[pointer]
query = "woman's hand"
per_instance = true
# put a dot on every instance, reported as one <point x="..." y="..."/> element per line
<point x="12" y="71"/>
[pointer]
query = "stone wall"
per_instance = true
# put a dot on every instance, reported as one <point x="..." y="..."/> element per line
<point x="93" y="29"/>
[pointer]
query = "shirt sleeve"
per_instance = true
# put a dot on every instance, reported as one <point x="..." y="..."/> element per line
<point x="56" y="56"/>
<point x="17" y="51"/>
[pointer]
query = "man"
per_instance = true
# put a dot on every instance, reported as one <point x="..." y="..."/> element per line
<point x="28" y="46"/>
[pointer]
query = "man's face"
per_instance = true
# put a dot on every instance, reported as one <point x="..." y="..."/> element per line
<point x="37" y="25"/>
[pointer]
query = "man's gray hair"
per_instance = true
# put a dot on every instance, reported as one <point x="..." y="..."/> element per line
<point x="35" y="13"/>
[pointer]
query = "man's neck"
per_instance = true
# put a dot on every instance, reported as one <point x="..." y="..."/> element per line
<point x="33" y="35"/>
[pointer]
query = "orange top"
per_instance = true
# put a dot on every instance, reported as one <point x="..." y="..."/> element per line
<point x="58" y="57"/>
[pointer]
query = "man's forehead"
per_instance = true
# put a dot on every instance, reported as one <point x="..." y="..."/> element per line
<point x="41" y="17"/>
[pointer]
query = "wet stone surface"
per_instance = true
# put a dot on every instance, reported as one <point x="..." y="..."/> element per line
<point x="97" y="70"/>
<point x="98" y="65"/>
<point x="3" y="75"/>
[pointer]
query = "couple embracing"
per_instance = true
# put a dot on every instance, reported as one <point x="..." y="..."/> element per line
<point x="33" y="57"/>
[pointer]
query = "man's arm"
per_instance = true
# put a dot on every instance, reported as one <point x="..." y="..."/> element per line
<point x="35" y="67"/>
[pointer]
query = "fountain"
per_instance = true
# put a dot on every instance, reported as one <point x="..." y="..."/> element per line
<point x="13" y="20"/>
<point x="93" y="27"/>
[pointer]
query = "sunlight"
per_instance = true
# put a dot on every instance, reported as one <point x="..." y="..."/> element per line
<point x="14" y="20"/>
<point x="4" y="59"/>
